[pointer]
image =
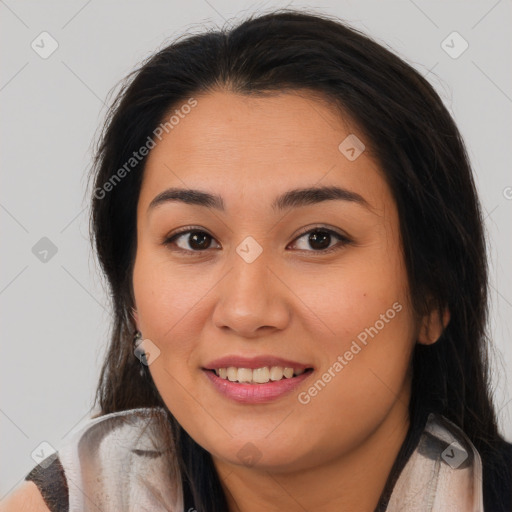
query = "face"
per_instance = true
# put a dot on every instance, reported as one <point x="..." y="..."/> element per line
<point x="310" y="291"/>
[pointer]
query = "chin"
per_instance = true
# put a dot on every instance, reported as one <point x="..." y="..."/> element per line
<point x="281" y="454"/>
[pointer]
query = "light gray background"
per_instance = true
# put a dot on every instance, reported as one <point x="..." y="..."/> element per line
<point x="55" y="314"/>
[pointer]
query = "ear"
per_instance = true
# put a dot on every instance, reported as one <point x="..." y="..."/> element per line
<point x="432" y="326"/>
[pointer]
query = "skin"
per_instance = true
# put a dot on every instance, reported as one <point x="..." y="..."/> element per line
<point x="335" y="452"/>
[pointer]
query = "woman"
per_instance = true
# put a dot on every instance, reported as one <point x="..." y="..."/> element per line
<point x="288" y="222"/>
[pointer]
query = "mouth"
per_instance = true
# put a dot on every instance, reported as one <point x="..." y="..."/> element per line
<point x="256" y="380"/>
<point x="261" y="375"/>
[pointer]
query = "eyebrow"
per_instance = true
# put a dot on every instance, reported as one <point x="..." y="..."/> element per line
<point x="295" y="198"/>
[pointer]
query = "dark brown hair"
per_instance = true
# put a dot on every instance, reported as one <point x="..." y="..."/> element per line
<point x="420" y="151"/>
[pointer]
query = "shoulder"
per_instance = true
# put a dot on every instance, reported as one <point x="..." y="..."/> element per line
<point x="113" y="459"/>
<point x="25" y="498"/>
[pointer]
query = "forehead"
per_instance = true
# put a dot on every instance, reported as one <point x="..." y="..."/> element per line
<point x="260" y="146"/>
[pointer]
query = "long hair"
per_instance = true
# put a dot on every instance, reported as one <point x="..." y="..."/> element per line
<point x="423" y="158"/>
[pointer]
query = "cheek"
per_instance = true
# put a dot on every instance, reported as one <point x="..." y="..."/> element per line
<point x="365" y="361"/>
<point x="362" y="299"/>
<point x="360" y="383"/>
<point x="164" y="294"/>
<point x="168" y="306"/>
<point x="368" y="339"/>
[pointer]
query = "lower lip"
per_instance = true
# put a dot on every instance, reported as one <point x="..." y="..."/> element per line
<point x="256" y="393"/>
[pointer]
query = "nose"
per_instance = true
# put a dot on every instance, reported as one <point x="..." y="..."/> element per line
<point x="252" y="299"/>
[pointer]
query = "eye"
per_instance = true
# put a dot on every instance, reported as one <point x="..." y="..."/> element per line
<point x="320" y="239"/>
<point x="197" y="241"/>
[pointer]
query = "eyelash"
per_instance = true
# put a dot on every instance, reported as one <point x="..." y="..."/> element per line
<point x="343" y="240"/>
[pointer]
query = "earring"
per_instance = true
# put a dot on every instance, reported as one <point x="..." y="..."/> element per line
<point x="139" y="352"/>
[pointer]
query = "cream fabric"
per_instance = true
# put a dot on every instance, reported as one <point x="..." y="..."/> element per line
<point x="444" y="473"/>
<point x="122" y="462"/>
<point x="119" y="462"/>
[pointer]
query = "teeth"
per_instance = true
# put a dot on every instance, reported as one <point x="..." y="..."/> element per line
<point x="258" y="375"/>
<point x="244" y="375"/>
<point x="288" y="373"/>
<point x="276" y="373"/>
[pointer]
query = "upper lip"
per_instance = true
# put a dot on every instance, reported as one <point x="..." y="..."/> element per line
<point x="254" y="362"/>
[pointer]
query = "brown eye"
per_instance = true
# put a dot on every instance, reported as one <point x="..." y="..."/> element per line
<point x="191" y="240"/>
<point x="199" y="240"/>
<point x="320" y="240"/>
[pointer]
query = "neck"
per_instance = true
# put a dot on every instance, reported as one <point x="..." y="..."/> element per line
<point x="351" y="482"/>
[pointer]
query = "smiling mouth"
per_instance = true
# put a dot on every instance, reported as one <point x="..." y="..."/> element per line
<point x="262" y="375"/>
